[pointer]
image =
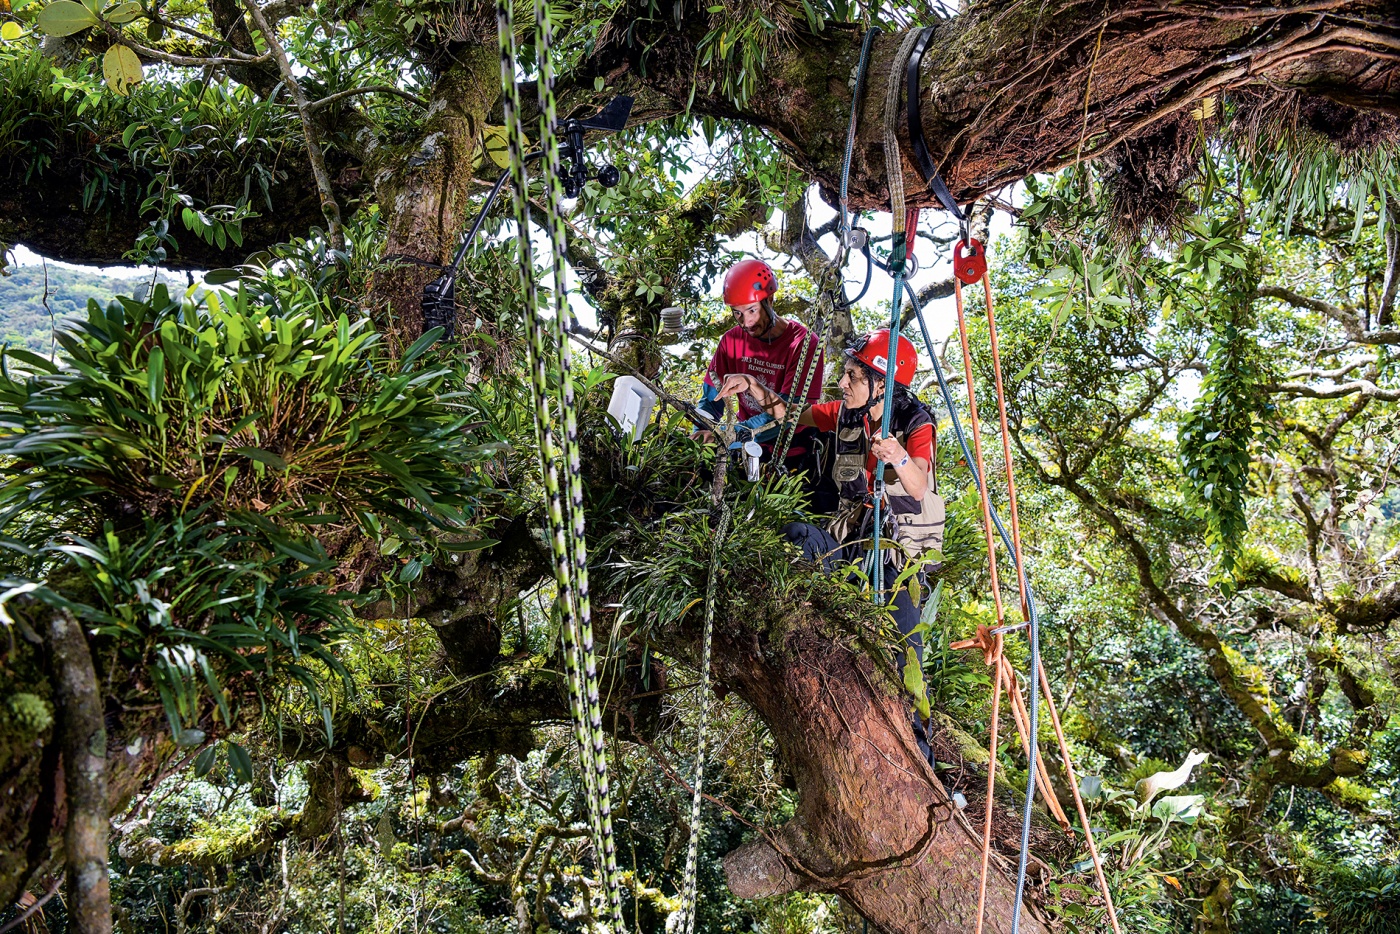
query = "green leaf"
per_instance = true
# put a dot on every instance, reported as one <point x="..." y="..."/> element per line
<point x="495" y="142"/>
<point x="222" y="276"/>
<point x="155" y="378"/>
<point x="205" y="761"/>
<point x="190" y="737"/>
<point x="64" y="17"/>
<point x="914" y="682"/>
<point x="11" y="31"/>
<point x="123" y="12"/>
<point x="470" y="546"/>
<point x="241" y="763"/>
<point x="121" y="68"/>
<point x="423" y="343"/>
<point x="43" y="364"/>
<point x="263" y="457"/>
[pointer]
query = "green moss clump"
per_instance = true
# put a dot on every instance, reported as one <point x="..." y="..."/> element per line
<point x="30" y="714"/>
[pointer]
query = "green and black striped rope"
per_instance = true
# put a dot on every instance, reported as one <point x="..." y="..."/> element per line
<point x="566" y="538"/>
<point x="689" y="888"/>
<point x="569" y="409"/>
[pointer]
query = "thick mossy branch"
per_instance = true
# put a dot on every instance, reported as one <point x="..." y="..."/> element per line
<point x="331" y="788"/>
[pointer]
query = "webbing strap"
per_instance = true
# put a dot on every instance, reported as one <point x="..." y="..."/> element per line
<point x="894" y="170"/>
<point x="917" y="144"/>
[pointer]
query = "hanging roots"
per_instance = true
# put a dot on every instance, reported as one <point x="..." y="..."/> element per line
<point x="1291" y="119"/>
<point x="1148" y="175"/>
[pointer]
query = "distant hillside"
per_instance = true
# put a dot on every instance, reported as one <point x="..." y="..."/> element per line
<point x="25" y="322"/>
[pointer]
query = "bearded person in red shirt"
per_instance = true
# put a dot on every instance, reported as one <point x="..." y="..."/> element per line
<point x="768" y="349"/>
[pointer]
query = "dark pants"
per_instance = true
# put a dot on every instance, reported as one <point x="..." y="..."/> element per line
<point x="821" y="491"/>
<point x="820" y="547"/>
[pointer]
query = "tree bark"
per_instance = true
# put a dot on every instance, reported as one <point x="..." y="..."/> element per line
<point x="84" y="742"/>
<point x="873" y="822"/>
<point x="424" y="190"/>
<point x="1012" y="88"/>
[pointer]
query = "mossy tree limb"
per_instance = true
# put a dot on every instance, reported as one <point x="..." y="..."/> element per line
<point x="83" y="736"/>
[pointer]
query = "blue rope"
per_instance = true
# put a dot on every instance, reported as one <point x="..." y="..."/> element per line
<point x="851" y="125"/>
<point x="1032" y="613"/>
<point x="877" y="484"/>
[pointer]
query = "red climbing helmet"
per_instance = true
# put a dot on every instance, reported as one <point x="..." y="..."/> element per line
<point x="871" y="350"/>
<point x="749" y="281"/>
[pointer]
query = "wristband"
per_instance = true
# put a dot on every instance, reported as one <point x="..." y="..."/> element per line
<point x="902" y="462"/>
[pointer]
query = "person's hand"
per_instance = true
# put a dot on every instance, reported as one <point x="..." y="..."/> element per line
<point x="704" y="436"/>
<point x="734" y="384"/>
<point x="888" y="450"/>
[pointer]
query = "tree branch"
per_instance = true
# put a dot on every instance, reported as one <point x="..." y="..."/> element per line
<point x="84" y="739"/>
<point x="368" y="89"/>
<point x="329" y="206"/>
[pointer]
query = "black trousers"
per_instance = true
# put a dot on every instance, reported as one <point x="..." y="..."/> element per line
<point x="820" y="547"/>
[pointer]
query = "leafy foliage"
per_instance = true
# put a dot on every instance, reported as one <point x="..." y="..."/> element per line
<point x="1232" y="413"/>
<point x="234" y="431"/>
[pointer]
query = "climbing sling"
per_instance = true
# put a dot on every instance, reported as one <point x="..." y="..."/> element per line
<point x="565" y="516"/>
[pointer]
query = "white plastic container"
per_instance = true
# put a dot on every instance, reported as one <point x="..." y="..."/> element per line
<point x="631" y="405"/>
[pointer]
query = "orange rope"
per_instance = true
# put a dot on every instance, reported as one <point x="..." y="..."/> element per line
<point x="1079" y="802"/>
<point x="1021" y="587"/>
<point x="995" y="657"/>
<point x="1018" y="707"/>
<point x="985" y="642"/>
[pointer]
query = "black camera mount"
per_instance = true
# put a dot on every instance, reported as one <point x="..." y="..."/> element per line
<point x="439" y="301"/>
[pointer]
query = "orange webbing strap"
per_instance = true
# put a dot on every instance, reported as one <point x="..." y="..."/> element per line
<point x="994" y="654"/>
<point x="1021" y="588"/>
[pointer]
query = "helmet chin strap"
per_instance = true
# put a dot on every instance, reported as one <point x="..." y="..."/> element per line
<point x="870" y="400"/>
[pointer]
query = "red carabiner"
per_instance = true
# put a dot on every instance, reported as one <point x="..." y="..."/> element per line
<point x="971" y="266"/>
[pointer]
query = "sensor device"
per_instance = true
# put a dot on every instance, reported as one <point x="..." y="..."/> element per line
<point x="631" y="406"/>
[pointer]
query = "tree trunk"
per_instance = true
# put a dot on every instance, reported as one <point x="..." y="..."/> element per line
<point x="424" y="190"/>
<point x="84" y="741"/>
<point x="873" y="823"/>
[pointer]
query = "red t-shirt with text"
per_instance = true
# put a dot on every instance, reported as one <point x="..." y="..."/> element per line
<point x="773" y="363"/>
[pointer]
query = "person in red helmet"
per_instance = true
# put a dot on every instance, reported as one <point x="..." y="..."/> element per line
<point x="767" y="349"/>
<point x="912" y="510"/>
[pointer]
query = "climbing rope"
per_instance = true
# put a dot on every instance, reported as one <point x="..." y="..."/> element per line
<point x="689" y="884"/>
<point x="806" y="365"/>
<point x="1033" y="625"/>
<point x="566" y="521"/>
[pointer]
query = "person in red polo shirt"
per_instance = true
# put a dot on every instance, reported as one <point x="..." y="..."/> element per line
<point x="912" y="509"/>
<point x="768" y="349"/>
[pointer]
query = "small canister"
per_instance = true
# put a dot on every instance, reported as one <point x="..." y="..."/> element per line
<point x="672" y="319"/>
<point x="752" y="454"/>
